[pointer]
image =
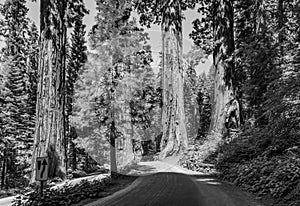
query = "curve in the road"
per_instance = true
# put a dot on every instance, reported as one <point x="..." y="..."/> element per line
<point x="177" y="189"/>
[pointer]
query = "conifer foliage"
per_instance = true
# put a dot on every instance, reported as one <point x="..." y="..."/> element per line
<point x="169" y="15"/>
<point x="19" y="60"/>
<point x="262" y="68"/>
<point x="50" y="131"/>
<point x="76" y="59"/>
<point x="114" y="95"/>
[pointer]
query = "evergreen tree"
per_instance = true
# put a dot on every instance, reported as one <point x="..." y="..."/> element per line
<point x="204" y="95"/>
<point x="50" y="127"/>
<point x="191" y="107"/>
<point x="76" y="61"/>
<point x="120" y="46"/>
<point x="169" y="15"/>
<point x="18" y="105"/>
<point x="215" y="33"/>
<point x="56" y="16"/>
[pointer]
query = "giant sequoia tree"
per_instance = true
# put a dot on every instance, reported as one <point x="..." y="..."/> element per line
<point x="111" y="23"/>
<point x="169" y="15"/>
<point x="215" y="33"/>
<point x="50" y="133"/>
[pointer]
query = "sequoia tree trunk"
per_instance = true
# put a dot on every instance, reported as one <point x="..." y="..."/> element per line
<point x="224" y="91"/>
<point x="222" y="96"/>
<point x="50" y="125"/>
<point x="174" y="139"/>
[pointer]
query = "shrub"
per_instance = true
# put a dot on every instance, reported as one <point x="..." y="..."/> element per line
<point x="260" y="160"/>
<point x="194" y="158"/>
<point x="262" y="163"/>
<point x="65" y="195"/>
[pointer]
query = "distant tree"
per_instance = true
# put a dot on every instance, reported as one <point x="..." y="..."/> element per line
<point x="191" y="107"/>
<point x="144" y="96"/>
<point x="120" y="46"/>
<point x="84" y="117"/>
<point x="111" y="21"/>
<point x="77" y="59"/>
<point x="169" y="15"/>
<point x="204" y="95"/>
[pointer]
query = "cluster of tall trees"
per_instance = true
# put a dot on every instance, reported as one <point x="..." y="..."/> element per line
<point x="118" y="83"/>
<point x="168" y="14"/>
<point x="124" y="97"/>
<point x="198" y="91"/>
<point x="54" y="91"/>
<point x="24" y="86"/>
<point x="255" y="50"/>
<point x="19" y="59"/>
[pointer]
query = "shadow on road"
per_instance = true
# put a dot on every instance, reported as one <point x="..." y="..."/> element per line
<point x="177" y="189"/>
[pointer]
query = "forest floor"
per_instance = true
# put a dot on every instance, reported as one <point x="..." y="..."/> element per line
<point x="165" y="183"/>
<point x="115" y="186"/>
<point x="76" y="182"/>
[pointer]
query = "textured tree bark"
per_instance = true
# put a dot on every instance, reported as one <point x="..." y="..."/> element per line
<point x="224" y="92"/>
<point x="222" y="96"/>
<point x="125" y="154"/>
<point x="174" y="139"/>
<point x="50" y="122"/>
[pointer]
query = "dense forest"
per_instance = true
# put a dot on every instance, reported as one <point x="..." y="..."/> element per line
<point x="91" y="100"/>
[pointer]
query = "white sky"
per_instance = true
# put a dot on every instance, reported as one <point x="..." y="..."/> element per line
<point x="154" y="31"/>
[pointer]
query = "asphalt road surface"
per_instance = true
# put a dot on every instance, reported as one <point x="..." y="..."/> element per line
<point x="173" y="186"/>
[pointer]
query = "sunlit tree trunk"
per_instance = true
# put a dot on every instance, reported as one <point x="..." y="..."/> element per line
<point x="224" y="94"/>
<point x="174" y="139"/>
<point x="112" y="126"/>
<point x="50" y="123"/>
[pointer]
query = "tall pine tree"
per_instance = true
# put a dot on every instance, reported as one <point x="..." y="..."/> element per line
<point x="18" y="105"/>
<point x="77" y="59"/>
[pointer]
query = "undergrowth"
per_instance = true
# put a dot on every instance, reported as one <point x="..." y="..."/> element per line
<point x="197" y="154"/>
<point x="264" y="163"/>
<point x="64" y="195"/>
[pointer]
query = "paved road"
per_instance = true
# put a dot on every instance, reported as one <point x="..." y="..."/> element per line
<point x="167" y="188"/>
